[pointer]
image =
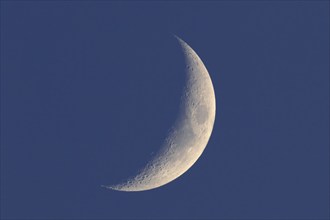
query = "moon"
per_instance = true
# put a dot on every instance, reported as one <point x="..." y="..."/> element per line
<point x="189" y="135"/>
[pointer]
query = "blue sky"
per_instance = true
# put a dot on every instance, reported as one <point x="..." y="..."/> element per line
<point x="89" y="90"/>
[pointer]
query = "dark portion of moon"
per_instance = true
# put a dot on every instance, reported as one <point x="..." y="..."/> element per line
<point x="188" y="136"/>
<point x="201" y="114"/>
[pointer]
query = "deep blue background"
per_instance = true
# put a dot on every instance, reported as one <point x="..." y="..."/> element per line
<point x="89" y="90"/>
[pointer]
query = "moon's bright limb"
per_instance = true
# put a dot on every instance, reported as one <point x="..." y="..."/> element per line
<point x="189" y="135"/>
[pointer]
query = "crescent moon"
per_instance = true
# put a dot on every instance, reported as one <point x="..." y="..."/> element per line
<point x="188" y="136"/>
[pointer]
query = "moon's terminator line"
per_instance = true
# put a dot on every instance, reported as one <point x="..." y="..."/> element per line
<point x="188" y="136"/>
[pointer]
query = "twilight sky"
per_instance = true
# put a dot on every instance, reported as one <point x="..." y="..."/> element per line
<point x="89" y="90"/>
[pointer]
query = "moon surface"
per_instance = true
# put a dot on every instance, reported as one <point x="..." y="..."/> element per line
<point x="188" y="136"/>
